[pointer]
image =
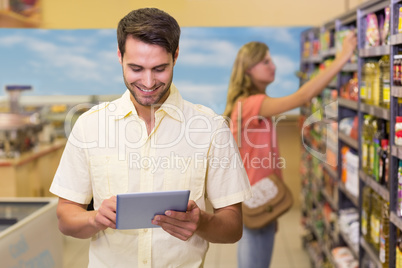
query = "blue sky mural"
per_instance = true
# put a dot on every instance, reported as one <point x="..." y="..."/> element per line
<point x="84" y="62"/>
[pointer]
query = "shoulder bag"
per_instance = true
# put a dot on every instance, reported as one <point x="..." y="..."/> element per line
<point x="271" y="199"/>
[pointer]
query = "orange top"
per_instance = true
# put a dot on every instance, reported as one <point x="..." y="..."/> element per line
<point x="257" y="141"/>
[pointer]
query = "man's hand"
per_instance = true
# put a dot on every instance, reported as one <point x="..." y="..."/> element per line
<point x="180" y="224"/>
<point x="76" y="221"/>
<point x="106" y="215"/>
<point x="224" y="225"/>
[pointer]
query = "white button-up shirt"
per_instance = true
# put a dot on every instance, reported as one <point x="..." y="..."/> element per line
<point x="109" y="152"/>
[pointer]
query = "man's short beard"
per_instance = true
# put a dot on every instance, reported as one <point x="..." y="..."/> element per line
<point x="141" y="102"/>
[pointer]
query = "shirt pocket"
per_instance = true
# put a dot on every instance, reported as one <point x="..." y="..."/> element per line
<point x="191" y="178"/>
<point x="109" y="175"/>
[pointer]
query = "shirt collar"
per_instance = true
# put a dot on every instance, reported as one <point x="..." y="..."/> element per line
<point x="173" y="105"/>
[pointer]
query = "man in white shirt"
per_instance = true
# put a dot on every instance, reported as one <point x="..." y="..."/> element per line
<point x="150" y="139"/>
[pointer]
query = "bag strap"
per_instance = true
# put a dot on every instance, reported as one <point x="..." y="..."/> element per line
<point x="239" y="128"/>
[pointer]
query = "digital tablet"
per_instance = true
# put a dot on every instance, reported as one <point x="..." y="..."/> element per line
<point x="136" y="210"/>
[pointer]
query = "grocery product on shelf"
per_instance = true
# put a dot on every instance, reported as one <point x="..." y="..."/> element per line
<point x="398" y="131"/>
<point x="367" y="262"/>
<point x="339" y="36"/>
<point x="385" y="88"/>
<point x="399" y="197"/>
<point x="397" y="70"/>
<point x="385" y="33"/>
<point x="375" y="144"/>
<point x="365" y="83"/>
<point x="343" y="257"/>
<point x="347" y="126"/>
<point x="349" y="226"/>
<point x="352" y="173"/>
<point x="375" y="84"/>
<point x="398" y="254"/>
<point x="384" y="163"/>
<point x="384" y="235"/>
<point x="375" y="219"/>
<point x="368" y="81"/>
<point x="379" y="134"/>
<point x="350" y="90"/>
<point x="366" y="143"/>
<point x="400" y="20"/>
<point x="366" y="213"/>
<point x="326" y="40"/>
<point x="344" y="150"/>
<point x="372" y="31"/>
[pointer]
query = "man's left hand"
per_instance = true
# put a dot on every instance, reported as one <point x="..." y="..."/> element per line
<point x="180" y="224"/>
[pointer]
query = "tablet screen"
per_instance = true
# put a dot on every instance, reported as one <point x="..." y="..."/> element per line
<point x="136" y="210"/>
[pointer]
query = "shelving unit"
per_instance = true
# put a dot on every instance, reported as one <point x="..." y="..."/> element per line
<point x="20" y="14"/>
<point x="317" y="176"/>
<point x="9" y="19"/>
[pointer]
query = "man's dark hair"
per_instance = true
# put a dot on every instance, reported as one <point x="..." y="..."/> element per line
<point x="151" y="26"/>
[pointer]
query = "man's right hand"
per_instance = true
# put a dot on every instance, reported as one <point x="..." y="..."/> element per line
<point x="105" y="216"/>
<point x="76" y="221"/>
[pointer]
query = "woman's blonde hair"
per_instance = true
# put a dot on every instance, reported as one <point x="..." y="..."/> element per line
<point x="240" y="84"/>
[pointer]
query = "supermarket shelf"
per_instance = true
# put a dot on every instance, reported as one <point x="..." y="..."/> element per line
<point x="331" y="233"/>
<point x="397" y="221"/>
<point x="354" y="199"/>
<point x="329" y="256"/>
<point x="378" y="188"/>
<point x="375" y="51"/>
<point x="305" y="110"/>
<point x="9" y="19"/>
<point x="330" y="171"/>
<point x="314" y="258"/>
<point x="376" y="111"/>
<point x="329" y="199"/>
<point x="373" y="256"/>
<point x="353" y="248"/>
<point x="332" y="84"/>
<point x="396" y="151"/>
<point x="396" y="39"/>
<point x="354" y="105"/>
<point x="349" y="108"/>
<point x="312" y="59"/>
<point x="396" y="91"/>
<point x="328" y="53"/>
<point x="348" y="140"/>
<point x="350" y="67"/>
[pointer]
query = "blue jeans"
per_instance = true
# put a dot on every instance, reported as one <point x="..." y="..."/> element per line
<point x="255" y="247"/>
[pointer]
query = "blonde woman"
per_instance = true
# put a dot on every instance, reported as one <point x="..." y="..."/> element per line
<point x="252" y="72"/>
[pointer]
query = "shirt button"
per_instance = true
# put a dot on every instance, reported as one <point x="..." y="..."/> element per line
<point x="145" y="230"/>
<point x="145" y="261"/>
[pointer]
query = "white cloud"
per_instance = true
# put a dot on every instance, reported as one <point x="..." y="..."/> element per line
<point x="207" y="52"/>
<point x="282" y="86"/>
<point x="280" y="35"/>
<point x="285" y="65"/>
<point x="106" y="32"/>
<point x="11" y="40"/>
<point x="74" y="61"/>
<point x="200" y="93"/>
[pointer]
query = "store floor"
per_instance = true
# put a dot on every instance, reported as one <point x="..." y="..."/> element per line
<point x="288" y="250"/>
